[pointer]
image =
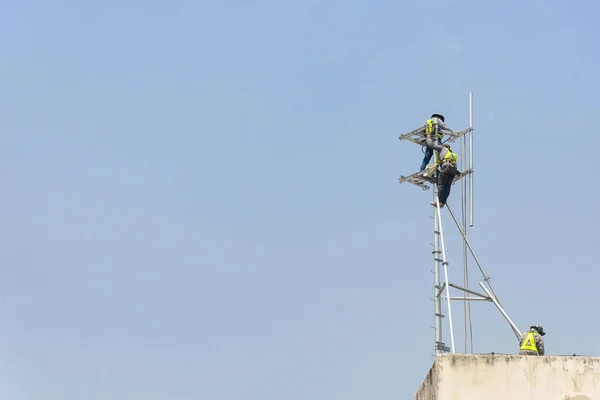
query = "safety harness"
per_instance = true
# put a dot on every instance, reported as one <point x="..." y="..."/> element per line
<point x="449" y="157"/>
<point x="529" y="342"/>
<point x="433" y="127"/>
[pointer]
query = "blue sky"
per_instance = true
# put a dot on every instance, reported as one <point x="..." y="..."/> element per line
<point x="200" y="199"/>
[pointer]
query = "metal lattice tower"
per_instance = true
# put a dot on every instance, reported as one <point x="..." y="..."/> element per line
<point x="443" y="283"/>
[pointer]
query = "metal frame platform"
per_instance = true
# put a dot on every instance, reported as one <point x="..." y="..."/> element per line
<point x="418" y="136"/>
<point x="421" y="181"/>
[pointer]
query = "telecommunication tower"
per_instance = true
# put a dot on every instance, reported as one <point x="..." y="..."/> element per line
<point x="442" y="290"/>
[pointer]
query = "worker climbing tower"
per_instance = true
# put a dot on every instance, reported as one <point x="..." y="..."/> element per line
<point x="442" y="292"/>
<point x="484" y="376"/>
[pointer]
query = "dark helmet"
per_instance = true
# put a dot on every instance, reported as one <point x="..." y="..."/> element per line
<point x="539" y="329"/>
<point x="440" y="116"/>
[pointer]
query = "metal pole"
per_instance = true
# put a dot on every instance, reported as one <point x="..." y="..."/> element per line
<point x="467" y="299"/>
<point x="471" y="202"/>
<point x="471" y="159"/>
<point x="485" y="276"/>
<point x="463" y="201"/>
<point x="436" y="278"/>
<point x="468" y="290"/>
<point x="445" y="264"/>
<point x="495" y="301"/>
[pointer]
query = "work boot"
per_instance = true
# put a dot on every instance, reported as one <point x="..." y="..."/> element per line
<point x="433" y="203"/>
<point x="429" y="171"/>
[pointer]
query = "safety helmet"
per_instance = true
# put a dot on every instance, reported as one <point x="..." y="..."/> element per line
<point x="440" y="116"/>
<point x="539" y="329"/>
<point x="446" y="145"/>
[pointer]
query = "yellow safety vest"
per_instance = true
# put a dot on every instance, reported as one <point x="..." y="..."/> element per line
<point x="529" y="342"/>
<point x="449" y="157"/>
<point x="430" y="128"/>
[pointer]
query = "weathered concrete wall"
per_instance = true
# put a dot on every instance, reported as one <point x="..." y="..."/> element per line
<point x="429" y="387"/>
<point x="497" y="377"/>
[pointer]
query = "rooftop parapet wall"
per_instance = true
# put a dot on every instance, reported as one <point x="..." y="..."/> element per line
<point x="503" y="377"/>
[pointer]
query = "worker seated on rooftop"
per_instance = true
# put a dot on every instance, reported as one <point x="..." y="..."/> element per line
<point x="531" y="342"/>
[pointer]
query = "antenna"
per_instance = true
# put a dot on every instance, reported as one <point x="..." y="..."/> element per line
<point x="471" y="159"/>
<point x="425" y="180"/>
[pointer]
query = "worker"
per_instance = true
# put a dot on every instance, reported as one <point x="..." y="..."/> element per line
<point x="446" y="169"/>
<point x="531" y="342"/>
<point x="435" y="125"/>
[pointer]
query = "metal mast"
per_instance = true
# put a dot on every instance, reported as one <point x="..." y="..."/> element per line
<point x="442" y="289"/>
<point x="437" y="286"/>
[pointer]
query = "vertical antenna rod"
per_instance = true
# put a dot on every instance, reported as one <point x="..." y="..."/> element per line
<point x="471" y="159"/>
<point x="463" y="200"/>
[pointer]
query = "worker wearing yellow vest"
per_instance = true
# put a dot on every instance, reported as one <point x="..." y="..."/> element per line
<point x="434" y="126"/>
<point x="446" y="169"/>
<point x="531" y="343"/>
